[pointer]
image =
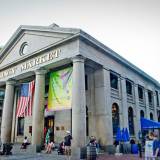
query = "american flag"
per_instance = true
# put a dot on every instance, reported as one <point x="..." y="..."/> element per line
<point x="24" y="105"/>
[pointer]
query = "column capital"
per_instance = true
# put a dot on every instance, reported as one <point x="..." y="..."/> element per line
<point x="78" y="59"/>
<point x="40" y="71"/>
<point x="10" y="82"/>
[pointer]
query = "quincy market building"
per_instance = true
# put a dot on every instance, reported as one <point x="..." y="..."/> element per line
<point x="107" y="90"/>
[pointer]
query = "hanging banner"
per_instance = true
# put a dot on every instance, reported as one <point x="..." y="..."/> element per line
<point x="60" y="90"/>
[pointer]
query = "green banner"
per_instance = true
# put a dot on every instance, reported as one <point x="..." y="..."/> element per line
<point x="60" y="90"/>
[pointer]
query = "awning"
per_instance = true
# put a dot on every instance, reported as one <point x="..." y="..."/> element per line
<point x="149" y="124"/>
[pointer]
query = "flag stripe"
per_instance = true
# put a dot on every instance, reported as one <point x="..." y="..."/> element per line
<point x="24" y="105"/>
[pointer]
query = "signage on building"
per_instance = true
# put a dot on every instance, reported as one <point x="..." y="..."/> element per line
<point x="30" y="64"/>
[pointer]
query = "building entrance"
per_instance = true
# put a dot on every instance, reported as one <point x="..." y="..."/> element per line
<point x="49" y="124"/>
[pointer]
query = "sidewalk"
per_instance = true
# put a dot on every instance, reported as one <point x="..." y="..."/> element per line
<point x="54" y="156"/>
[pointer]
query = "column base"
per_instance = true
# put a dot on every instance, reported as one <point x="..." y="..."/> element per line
<point x="36" y="148"/>
<point x="110" y="149"/>
<point x="75" y="153"/>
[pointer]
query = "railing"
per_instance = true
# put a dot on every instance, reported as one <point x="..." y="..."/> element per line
<point x="141" y="102"/>
<point x="115" y="93"/>
<point x="130" y="98"/>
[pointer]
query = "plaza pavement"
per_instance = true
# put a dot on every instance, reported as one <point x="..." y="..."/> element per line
<point x="54" y="156"/>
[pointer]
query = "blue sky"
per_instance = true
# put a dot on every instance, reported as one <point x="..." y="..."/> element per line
<point x="129" y="27"/>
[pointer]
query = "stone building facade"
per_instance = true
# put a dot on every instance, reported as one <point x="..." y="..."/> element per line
<point x="107" y="91"/>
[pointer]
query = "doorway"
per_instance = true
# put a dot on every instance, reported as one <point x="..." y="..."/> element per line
<point x="49" y="123"/>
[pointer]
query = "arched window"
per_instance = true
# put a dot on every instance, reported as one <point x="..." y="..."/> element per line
<point x="141" y="114"/>
<point x="115" y="117"/>
<point x="130" y="121"/>
<point x="151" y="116"/>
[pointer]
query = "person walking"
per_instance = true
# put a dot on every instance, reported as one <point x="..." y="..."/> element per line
<point x="67" y="143"/>
<point x="47" y="139"/>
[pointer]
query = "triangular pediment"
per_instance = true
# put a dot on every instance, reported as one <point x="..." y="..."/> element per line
<point x="35" y="38"/>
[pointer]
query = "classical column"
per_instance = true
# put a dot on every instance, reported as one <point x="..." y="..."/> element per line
<point x="78" y="107"/>
<point x="103" y="111"/>
<point x="155" y="106"/>
<point x="38" y="109"/>
<point x="147" y="104"/>
<point x="108" y="133"/>
<point x="14" y="116"/>
<point x="137" y="124"/>
<point x="124" y="103"/>
<point x="6" y="127"/>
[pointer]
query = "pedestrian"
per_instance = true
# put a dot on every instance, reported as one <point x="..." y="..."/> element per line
<point x="92" y="148"/>
<point x="25" y="143"/>
<point x="67" y="143"/>
<point x="50" y="146"/>
<point x="156" y="147"/>
<point x="61" y="148"/>
<point x="140" y="149"/>
<point x="47" y="139"/>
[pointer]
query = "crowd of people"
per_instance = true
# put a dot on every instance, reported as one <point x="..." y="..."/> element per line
<point x="65" y="146"/>
<point x="148" y="144"/>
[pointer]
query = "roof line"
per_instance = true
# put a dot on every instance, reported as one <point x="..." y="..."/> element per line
<point x="36" y="28"/>
<point x="119" y="58"/>
<point x="81" y="33"/>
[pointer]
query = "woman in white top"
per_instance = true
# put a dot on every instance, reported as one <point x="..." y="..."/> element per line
<point x="25" y="143"/>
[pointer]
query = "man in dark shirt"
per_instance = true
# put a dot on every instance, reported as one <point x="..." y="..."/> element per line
<point x="67" y="143"/>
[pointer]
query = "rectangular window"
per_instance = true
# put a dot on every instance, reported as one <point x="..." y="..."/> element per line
<point x="1" y="94"/>
<point x="128" y="87"/>
<point x="86" y="82"/>
<point x="20" y="127"/>
<point x="157" y="98"/>
<point x="0" y="113"/>
<point x="1" y="103"/>
<point x="46" y="89"/>
<point x="113" y="81"/>
<point x="150" y="100"/>
<point x="140" y="92"/>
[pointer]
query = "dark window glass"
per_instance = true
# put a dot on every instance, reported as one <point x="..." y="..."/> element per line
<point x="46" y="89"/>
<point x="1" y="94"/>
<point x="140" y="92"/>
<point x="150" y="97"/>
<point x="87" y="122"/>
<point x="20" y="129"/>
<point x="130" y="121"/>
<point x="1" y="98"/>
<point x="115" y="118"/>
<point x="86" y="82"/>
<point x="142" y="114"/>
<point x="158" y="116"/>
<point x="151" y="116"/>
<point x="1" y="103"/>
<point x="0" y="113"/>
<point x="129" y="87"/>
<point x="114" y="81"/>
<point x="157" y="98"/>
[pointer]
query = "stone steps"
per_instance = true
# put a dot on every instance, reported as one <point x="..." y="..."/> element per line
<point x="29" y="150"/>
